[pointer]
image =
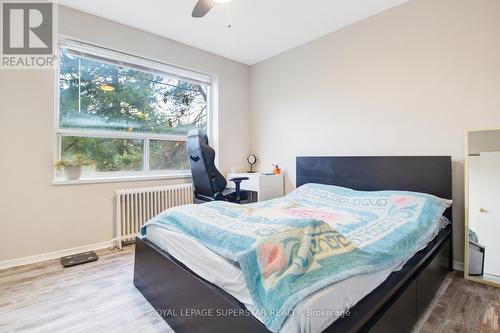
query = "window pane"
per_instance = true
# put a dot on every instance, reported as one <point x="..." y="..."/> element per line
<point x="102" y="96"/>
<point x="168" y="155"/>
<point x="108" y="154"/>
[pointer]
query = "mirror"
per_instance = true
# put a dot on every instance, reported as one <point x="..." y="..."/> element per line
<point x="482" y="207"/>
<point x="251" y="159"/>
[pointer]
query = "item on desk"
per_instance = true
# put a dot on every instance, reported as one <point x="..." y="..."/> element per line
<point x="251" y="159"/>
<point x="276" y="169"/>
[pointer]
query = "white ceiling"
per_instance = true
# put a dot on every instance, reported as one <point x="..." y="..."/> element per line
<point x="260" y="28"/>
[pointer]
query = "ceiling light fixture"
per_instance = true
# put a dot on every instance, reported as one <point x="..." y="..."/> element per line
<point x="203" y="7"/>
<point x="106" y="87"/>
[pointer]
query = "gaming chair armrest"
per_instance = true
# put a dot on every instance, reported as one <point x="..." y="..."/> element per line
<point x="237" y="182"/>
<point x="238" y="179"/>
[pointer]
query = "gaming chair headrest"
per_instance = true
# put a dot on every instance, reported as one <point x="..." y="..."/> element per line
<point x="196" y="134"/>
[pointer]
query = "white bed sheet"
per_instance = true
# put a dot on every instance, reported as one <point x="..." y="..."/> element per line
<point x="312" y="315"/>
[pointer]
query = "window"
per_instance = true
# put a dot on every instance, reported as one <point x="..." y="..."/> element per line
<point x="129" y="115"/>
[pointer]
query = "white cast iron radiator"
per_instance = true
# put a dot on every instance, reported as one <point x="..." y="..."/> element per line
<point x="136" y="206"/>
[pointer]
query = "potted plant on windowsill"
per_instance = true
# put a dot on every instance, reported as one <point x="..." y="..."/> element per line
<point x="73" y="167"/>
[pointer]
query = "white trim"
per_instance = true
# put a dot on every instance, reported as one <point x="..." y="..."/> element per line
<point x="119" y="179"/>
<point x="146" y="154"/>
<point x="126" y="59"/>
<point x="132" y="59"/>
<point x="54" y="255"/>
<point x="213" y="118"/>
<point x="57" y="144"/>
<point x="118" y="135"/>
<point x="458" y="265"/>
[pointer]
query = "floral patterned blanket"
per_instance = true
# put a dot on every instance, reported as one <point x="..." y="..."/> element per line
<point x="291" y="247"/>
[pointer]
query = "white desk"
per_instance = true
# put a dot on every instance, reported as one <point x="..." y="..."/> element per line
<point x="267" y="186"/>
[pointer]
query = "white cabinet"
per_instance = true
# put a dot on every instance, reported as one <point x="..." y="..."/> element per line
<point x="266" y="186"/>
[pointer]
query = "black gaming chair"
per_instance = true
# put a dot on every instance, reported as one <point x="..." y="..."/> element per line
<point x="209" y="184"/>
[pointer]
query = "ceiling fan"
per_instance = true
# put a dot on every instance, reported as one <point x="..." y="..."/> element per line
<point x="203" y="7"/>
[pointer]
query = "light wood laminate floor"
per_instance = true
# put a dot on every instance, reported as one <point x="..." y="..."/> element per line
<point x="93" y="297"/>
<point x="465" y="306"/>
<point x="100" y="297"/>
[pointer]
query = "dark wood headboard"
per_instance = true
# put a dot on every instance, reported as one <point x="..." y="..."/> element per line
<point x="426" y="174"/>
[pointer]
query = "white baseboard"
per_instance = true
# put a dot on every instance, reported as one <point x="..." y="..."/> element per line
<point x="54" y="255"/>
<point x="458" y="265"/>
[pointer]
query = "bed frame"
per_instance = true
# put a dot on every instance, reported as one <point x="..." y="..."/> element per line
<point x="188" y="303"/>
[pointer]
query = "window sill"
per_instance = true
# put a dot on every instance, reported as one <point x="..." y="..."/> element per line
<point x="117" y="179"/>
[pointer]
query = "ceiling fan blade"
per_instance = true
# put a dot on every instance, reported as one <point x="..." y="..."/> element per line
<point x="202" y="8"/>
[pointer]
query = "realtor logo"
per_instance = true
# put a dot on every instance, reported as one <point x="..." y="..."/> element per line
<point x="27" y="34"/>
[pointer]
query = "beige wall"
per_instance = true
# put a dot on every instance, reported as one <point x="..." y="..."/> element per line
<point x="37" y="217"/>
<point x="405" y="82"/>
<point x="408" y="81"/>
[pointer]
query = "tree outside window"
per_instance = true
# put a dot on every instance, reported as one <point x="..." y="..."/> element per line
<point x="124" y="117"/>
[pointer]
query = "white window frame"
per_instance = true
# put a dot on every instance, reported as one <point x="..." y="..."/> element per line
<point x="172" y="71"/>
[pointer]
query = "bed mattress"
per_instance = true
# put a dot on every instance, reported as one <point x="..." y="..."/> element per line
<point x="312" y="315"/>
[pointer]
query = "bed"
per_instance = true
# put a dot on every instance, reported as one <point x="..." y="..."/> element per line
<point x="392" y="300"/>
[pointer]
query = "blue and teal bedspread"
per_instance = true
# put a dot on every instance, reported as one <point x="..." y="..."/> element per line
<point x="291" y="247"/>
